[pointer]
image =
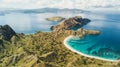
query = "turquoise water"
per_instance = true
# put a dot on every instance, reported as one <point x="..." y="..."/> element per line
<point x="107" y="44"/>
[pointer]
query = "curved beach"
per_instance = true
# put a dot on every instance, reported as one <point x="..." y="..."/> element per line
<point x="71" y="36"/>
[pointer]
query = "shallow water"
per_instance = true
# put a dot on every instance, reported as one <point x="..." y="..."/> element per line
<point x="107" y="44"/>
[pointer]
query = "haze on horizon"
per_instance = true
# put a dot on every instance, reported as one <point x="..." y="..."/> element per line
<point x="79" y="4"/>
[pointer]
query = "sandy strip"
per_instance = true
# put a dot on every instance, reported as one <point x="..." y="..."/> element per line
<point x="65" y="43"/>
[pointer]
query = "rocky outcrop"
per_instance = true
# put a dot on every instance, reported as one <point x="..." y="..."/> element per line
<point x="48" y="57"/>
<point x="71" y="23"/>
<point x="81" y="32"/>
<point x="69" y="26"/>
<point x="55" y="19"/>
<point x="6" y="32"/>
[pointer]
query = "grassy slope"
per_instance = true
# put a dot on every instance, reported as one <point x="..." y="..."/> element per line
<point x="44" y="49"/>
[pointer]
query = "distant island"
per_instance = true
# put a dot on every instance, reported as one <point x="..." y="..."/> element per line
<point x="46" y="49"/>
<point x="40" y="10"/>
<point x="55" y="19"/>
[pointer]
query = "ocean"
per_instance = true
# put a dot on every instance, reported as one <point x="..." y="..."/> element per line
<point x="106" y="45"/>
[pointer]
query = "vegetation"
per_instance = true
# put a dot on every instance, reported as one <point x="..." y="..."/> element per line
<point x="44" y="49"/>
<point x="55" y="19"/>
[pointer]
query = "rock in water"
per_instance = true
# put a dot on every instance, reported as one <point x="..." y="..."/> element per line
<point x="6" y="32"/>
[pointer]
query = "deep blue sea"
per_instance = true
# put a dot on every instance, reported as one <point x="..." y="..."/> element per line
<point x="106" y="45"/>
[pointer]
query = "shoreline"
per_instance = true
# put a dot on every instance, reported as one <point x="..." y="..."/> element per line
<point x="70" y="48"/>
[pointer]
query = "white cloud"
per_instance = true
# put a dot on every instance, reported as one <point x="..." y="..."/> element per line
<point x="82" y="4"/>
<point x="12" y="1"/>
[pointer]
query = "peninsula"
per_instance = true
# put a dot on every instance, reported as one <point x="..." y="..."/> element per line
<point x="46" y="49"/>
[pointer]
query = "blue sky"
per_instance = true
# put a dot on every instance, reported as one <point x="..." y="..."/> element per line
<point x="82" y="4"/>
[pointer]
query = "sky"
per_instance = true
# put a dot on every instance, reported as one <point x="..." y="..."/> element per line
<point x="80" y="4"/>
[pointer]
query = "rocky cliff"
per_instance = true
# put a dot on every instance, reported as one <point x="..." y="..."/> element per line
<point x="6" y="32"/>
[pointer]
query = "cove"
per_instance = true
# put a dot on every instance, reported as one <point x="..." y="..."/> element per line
<point x="105" y="46"/>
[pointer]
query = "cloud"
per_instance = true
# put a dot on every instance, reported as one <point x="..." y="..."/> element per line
<point x="81" y="4"/>
<point x="12" y="1"/>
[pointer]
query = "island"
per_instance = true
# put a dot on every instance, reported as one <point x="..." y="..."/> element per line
<point x="55" y="19"/>
<point x="46" y="49"/>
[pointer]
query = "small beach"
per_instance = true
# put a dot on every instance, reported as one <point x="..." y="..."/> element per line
<point x="71" y="36"/>
<point x="60" y="33"/>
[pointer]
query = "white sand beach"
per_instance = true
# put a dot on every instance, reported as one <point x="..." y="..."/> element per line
<point x="71" y="36"/>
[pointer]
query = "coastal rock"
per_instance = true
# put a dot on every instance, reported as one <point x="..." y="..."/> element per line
<point x="55" y="19"/>
<point x="6" y="32"/>
<point x="81" y="32"/>
<point x="93" y="32"/>
<point x="71" y="23"/>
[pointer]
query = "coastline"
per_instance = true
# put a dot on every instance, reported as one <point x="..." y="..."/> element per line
<point x="65" y="43"/>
